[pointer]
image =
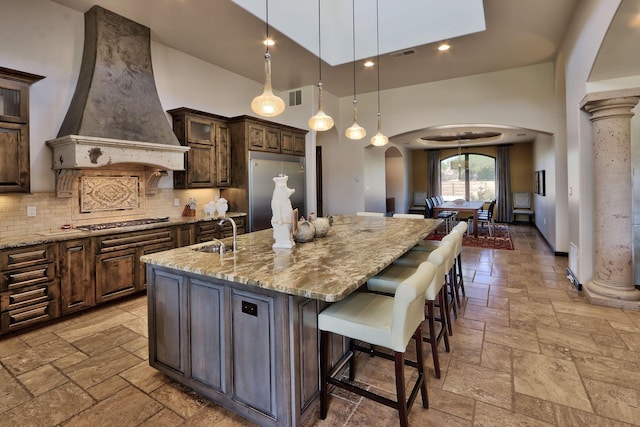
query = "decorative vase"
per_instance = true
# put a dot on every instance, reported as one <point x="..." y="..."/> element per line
<point x="322" y="225"/>
<point x="305" y="231"/>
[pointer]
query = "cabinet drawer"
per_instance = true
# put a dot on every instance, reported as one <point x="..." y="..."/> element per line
<point x="29" y="315"/>
<point x="28" y="296"/>
<point x="28" y="256"/>
<point x="131" y="240"/>
<point x="33" y="275"/>
<point x="206" y="231"/>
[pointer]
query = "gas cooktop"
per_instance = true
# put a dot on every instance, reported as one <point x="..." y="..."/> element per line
<point x="107" y="225"/>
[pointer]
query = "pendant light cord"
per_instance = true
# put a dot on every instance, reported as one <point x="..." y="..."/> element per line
<point x="378" y="49"/>
<point x="267" y="25"/>
<point x="353" y="27"/>
<point x="319" y="48"/>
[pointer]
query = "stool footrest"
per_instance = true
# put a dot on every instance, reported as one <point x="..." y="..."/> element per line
<point x="376" y="397"/>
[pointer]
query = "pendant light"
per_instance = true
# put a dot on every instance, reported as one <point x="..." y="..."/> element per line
<point x="267" y="104"/>
<point x="378" y="139"/>
<point x="355" y="131"/>
<point x="320" y="121"/>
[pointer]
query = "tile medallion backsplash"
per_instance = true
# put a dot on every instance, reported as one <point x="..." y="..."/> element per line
<point x="107" y="193"/>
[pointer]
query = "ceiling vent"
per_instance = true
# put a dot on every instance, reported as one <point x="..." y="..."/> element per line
<point x="295" y="98"/>
<point x="403" y="53"/>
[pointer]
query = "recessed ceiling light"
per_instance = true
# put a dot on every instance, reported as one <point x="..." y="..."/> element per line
<point x="268" y="42"/>
<point x="368" y="64"/>
<point x="444" y="47"/>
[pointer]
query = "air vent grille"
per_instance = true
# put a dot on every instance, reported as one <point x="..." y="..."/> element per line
<point x="403" y="53"/>
<point x="295" y="97"/>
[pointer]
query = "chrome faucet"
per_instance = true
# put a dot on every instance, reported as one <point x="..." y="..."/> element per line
<point x="233" y="225"/>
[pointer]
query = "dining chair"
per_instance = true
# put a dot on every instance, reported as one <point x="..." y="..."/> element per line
<point x="487" y="217"/>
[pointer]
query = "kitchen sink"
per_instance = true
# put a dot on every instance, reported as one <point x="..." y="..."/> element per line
<point x="214" y="247"/>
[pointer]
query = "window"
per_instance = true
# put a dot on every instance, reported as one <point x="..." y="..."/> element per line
<point x="468" y="176"/>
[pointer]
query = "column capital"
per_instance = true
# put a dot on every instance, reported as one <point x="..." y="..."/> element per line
<point x="611" y="107"/>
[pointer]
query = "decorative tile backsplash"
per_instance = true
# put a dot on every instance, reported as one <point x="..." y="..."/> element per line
<point x="108" y="193"/>
<point x="53" y="212"/>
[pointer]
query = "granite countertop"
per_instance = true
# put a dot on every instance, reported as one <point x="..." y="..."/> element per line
<point x="328" y="268"/>
<point x="53" y="236"/>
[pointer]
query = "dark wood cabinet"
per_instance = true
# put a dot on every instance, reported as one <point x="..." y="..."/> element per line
<point x="44" y="281"/>
<point x="186" y="235"/>
<point x="115" y="274"/>
<point x="292" y="143"/>
<point x="29" y="288"/>
<point x="119" y="271"/>
<point x="207" y="163"/>
<point x="14" y="130"/>
<point x="77" y="267"/>
<point x="209" y="230"/>
<point x="251" y="133"/>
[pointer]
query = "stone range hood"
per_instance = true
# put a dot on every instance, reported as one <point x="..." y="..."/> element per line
<point x="115" y="116"/>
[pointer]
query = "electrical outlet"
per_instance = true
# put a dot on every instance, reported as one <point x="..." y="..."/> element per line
<point x="31" y="211"/>
<point x="176" y="202"/>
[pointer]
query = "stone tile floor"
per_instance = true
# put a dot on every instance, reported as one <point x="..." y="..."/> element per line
<point x="526" y="350"/>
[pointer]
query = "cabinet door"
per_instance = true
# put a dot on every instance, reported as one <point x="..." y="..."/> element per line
<point x="76" y="275"/>
<point x="263" y="138"/>
<point x="200" y="165"/>
<point x="253" y="351"/>
<point x="14" y="158"/>
<point x="115" y="274"/>
<point x="223" y="155"/>
<point x="292" y="143"/>
<point x="299" y="144"/>
<point x="200" y="130"/>
<point x="141" y="282"/>
<point x="207" y="334"/>
<point x="167" y="324"/>
<point x="186" y="235"/>
<point x="273" y="140"/>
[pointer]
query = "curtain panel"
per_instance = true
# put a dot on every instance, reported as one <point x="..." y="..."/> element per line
<point x="433" y="164"/>
<point x="504" y="211"/>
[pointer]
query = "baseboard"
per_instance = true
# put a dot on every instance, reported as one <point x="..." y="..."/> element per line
<point x="573" y="279"/>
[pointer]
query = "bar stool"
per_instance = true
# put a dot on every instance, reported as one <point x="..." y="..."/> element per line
<point x="384" y="321"/>
<point x="430" y="245"/>
<point x="452" y="301"/>
<point x="462" y="227"/>
<point x="387" y="282"/>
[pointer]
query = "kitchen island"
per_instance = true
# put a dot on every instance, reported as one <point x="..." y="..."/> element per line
<point x="241" y="328"/>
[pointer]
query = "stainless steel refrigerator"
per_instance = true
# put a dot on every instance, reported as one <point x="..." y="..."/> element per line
<point x="263" y="167"/>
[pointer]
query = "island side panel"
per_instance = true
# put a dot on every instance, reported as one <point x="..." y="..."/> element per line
<point x="254" y="353"/>
<point x="167" y="326"/>
<point x="206" y="338"/>
<point x="190" y="313"/>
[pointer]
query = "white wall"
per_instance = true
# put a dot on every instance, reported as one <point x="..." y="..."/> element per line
<point x="519" y="97"/>
<point x="544" y="159"/>
<point x="42" y="37"/>
<point x="578" y="52"/>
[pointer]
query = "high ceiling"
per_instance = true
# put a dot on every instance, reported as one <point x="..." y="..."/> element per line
<point x="518" y="33"/>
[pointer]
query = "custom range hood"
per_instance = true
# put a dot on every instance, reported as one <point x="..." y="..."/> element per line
<point x="115" y="116"/>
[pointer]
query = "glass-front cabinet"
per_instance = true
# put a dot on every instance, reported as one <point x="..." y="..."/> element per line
<point x="14" y="130"/>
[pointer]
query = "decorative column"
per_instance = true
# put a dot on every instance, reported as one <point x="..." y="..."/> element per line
<point x="612" y="283"/>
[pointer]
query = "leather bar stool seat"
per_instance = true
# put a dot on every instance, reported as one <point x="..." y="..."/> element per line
<point x="383" y="321"/>
<point x="387" y="282"/>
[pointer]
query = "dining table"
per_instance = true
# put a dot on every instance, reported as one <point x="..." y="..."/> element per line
<point x="467" y="207"/>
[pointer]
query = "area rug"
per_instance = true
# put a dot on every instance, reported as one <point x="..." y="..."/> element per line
<point x="501" y="239"/>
